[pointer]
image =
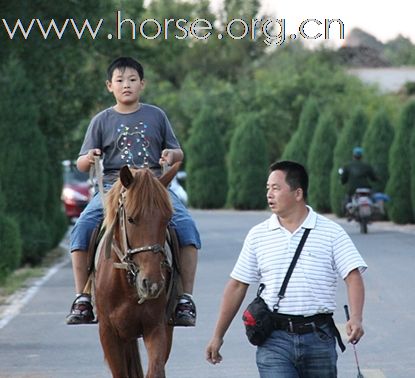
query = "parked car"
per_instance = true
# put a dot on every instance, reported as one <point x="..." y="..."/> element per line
<point x="76" y="191"/>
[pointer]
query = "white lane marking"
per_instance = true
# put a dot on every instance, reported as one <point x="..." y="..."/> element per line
<point x="19" y="299"/>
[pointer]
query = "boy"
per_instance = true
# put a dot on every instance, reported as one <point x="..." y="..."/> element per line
<point x="139" y="135"/>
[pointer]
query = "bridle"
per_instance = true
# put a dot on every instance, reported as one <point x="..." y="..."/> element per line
<point x="125" y="253"/>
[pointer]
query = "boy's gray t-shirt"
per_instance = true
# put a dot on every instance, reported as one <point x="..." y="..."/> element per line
<point x="134" y="139"/>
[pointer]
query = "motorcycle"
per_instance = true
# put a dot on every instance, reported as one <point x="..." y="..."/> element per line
<point x="366" y="207"/>
<point x="361" y="208"/>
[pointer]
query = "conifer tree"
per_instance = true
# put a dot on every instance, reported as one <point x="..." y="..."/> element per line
<point x="320" y="161"/>
<point x="412" y="156"/>
<point x="206" y="170"/>
<point x="298" y="147"/>
<point x="376" y="144"/>
<point x="350" y="136"/>
<point x="399" y="183"/>
<point x="10" y="242"/>
<point x="10" y="246"/>
<point x="22" y="161"/>
<point x="247" y="164"/>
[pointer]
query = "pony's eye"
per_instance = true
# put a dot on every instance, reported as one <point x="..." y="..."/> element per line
<point x="130" y="220"/>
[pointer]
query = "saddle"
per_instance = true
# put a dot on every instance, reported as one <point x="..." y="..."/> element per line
<point x="174" y="289"/>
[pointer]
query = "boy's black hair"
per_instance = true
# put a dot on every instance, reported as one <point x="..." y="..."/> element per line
<point x="122" y="63"/>
<point x="296" y="175"/>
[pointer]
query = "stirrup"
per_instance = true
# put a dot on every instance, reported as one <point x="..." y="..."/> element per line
<point x="81" y="312"/>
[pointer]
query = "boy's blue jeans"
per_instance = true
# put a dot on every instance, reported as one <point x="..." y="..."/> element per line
<point x="181" y="221"/>
<point x="288" y="355"/>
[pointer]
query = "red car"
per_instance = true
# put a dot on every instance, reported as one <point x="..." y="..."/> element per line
<point x="76" y="191"/>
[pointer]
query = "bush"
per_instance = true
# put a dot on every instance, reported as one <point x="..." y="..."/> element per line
<point x="206" y="179"/>
<point x="320" y="161"/>
<point x="299" y="145"/>
<point x="10" y="246"/>
<point x="399" y="183"/>
<point x="24" y="160"/>
<point x="247" y="164"/>
<point x="412" y="156"/>
<point x="376" y="143"/>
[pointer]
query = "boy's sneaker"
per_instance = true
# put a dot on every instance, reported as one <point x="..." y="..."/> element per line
<point x="185" y="314"/>
<point x="81" y="311"/>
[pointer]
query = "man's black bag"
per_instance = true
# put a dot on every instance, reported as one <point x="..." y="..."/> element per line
<point x="258" y="319"/>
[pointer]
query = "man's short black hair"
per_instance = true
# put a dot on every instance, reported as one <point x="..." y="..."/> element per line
<point x="122" y="63"/>
<point x="296" y="175"/>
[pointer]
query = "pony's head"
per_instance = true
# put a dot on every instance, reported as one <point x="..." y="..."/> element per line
<point x="138" y="209"/>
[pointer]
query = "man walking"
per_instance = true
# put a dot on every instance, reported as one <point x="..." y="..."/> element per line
<point x="304" y="344"/>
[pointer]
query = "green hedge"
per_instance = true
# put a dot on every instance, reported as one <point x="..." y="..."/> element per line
<point x="248" y="164"/>
<point x="207" y="180"/>
<point x="10" y="246"/>
<point x="399" y="184"/>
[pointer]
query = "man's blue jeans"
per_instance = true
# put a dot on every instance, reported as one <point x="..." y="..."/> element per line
<point x="288" y="355"/>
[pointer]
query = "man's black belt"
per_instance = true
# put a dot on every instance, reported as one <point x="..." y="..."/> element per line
<point x="305" y="324"/>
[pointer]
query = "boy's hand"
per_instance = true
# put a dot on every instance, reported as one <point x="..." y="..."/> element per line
<point x="167" y="156"/>
<point x="92" y="153"/>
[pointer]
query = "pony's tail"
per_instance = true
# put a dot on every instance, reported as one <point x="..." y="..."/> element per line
<point x="132" y="355"/>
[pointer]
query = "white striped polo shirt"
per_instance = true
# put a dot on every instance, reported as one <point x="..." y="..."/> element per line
<point x="328" y="253"/>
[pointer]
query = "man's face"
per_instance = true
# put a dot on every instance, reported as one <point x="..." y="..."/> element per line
<point x="126" y="85"/>
<point x="281" y="199"/>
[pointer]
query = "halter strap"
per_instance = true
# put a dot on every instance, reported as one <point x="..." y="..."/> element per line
<point x="125" y="252"/>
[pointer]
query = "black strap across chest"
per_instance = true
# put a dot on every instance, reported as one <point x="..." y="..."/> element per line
<point x="291" y="268"/>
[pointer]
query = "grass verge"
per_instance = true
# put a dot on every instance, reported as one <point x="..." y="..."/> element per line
<point x="22" y="278"/>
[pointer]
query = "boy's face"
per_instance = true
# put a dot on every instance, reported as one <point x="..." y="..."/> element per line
<point x="126" y="85"/>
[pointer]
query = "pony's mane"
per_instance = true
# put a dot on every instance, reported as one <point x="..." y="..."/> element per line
<point x="145" y="194"/>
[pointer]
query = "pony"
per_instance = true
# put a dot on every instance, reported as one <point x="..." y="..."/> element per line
<point x="133" y="274"/>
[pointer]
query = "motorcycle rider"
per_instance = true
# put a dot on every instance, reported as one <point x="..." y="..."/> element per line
<point x="357" y="174"/>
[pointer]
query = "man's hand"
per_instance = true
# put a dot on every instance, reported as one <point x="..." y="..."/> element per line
<point x="212" y="351"/>
<point x="354" y="330"/>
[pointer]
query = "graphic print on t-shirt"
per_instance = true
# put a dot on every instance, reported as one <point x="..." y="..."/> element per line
<point x="133" y="145"/>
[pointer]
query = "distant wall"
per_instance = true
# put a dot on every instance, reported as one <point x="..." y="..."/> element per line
<point x="389" y="79"/>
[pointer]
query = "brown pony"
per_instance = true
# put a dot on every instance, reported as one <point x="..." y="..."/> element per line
<point x="132" y="274"/>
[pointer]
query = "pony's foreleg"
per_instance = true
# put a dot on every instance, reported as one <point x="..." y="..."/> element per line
<point x="157" y="345"/>
<point x="133" y="360"/>
<point x="122" y="356"/>
<point x="169" y="336"/>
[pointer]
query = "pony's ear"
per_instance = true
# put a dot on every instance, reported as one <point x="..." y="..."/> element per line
<point x="168" y="176"/>
<point x="126" y="176"/>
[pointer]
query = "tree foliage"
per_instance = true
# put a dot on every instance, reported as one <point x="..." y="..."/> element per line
<point x="412" y="157"/>
<point x="298" y="147"/>
<point x="22" y="160"/>
<point x="376" y="144"/>
<point x="247" y="164"/>
<point x="320" y="160"/>
<point x="207" y="180"/>
<point x="10" y="246"/>
<point x="399" y="184"/>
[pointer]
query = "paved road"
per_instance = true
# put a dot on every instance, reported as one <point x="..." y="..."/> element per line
<point x="37" y="344"/>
